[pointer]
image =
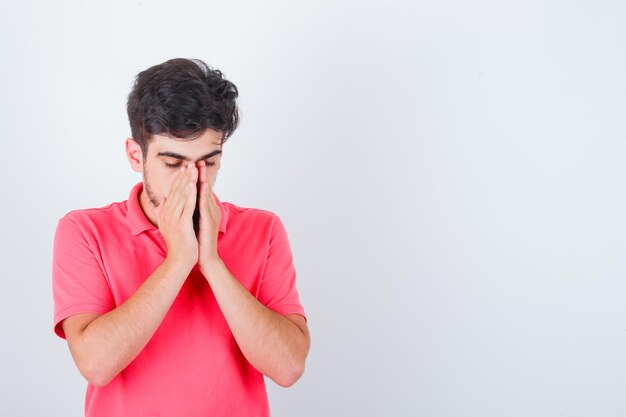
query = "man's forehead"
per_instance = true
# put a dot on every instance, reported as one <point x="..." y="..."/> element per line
<point x="192" y="148"/>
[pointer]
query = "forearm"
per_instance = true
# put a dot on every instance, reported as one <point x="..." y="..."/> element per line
<point x="273" y="344"/>
<point x="110" y="342"/>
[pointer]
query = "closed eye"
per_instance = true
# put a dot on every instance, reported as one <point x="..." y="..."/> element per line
<point x="177" y="165"/>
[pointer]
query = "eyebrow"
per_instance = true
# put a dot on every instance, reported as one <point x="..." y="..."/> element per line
<point x="185" y="158"/>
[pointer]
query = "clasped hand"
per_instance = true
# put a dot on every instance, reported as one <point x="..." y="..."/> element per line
<point x="175" y="217"/>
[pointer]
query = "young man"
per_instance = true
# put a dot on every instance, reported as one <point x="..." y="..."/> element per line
<point x="172" y="302"/>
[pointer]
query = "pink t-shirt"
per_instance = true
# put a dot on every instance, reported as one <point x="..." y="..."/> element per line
<point x="192" y="366"/>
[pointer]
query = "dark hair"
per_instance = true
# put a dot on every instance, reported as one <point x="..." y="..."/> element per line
<point x="181" y="98"/>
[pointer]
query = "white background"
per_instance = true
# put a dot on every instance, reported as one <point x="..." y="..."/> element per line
<point x="450" y="175"/>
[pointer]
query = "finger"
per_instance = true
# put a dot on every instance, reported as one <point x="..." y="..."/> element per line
<point x="177" y="193"/>
<point x="190" y="201"/>
<point x="178" y="181"/>
<point x="209" y="198"/>
<point x="212" y="209"/>
<point x="204" y="208"/>
<point x="177" y="175"/>
<point x="202" y="168"/>
<point x="193" y="172"/>
<point x="187" y="189"/>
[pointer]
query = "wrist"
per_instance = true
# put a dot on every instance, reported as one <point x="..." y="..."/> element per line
<point x="210" y="263"/>
<point x="178" y="265"/>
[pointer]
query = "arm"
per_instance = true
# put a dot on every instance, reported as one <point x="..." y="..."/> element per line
<point x="103" y="345"/>
<point x="274" y="344"/>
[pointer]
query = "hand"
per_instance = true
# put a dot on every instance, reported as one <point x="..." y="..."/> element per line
<point x="174" y="216"/>
<point x="210" y="218"/>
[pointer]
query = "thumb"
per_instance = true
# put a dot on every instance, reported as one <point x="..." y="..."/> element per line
<point x="203" y="198"/>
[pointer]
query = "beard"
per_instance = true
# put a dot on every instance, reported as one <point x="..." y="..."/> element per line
<point x="156" y="201"/>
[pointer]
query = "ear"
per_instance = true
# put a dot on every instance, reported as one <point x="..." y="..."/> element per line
<point x="134" y="155"/>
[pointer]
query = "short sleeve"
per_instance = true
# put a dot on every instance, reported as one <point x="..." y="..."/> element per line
<point x="78" y="282"/>
<point x="278" y="285"/>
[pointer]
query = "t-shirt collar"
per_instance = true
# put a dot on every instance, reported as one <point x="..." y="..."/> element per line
<point x="138" y="222"/>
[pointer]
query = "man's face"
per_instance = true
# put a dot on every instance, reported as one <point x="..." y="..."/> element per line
<point x="164" y="158"/>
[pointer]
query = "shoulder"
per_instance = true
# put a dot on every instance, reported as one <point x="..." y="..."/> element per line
<point x="259" y="220"/>
<point x="249" y="213"/>
<point x="97" y="219"/>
